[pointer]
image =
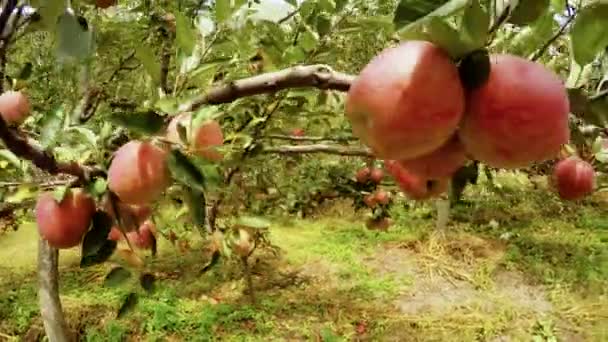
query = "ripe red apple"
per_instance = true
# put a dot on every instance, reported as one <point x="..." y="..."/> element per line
<point x="14" y="107"/>
<point x="297" y="132"/>
<point x="382" y="197"/>
<point x="441" y="163"/>
<point x="144" y="237"/>
<point x="518" y="117"/>
<point x="376" y="175"/>
<point x="203" y="140"/>
<point x="363" y="175"/>
<point x="115" y="234"/>
<point x="573" y="178"/>
<point x="407" y="101"/>
<point x="416" y="187"/>
<point x="370" y="200"/>
<point x="64" y="224"/>
<point x="138" y="173"/>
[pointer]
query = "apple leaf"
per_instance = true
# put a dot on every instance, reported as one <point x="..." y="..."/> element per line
<point x="441" y="33"/>
<point x="49" y="11"/>
<point x="185" y="34"/>
<point x="528" y="11"/>
<point x="409" y="11"/>
<point x="588" y="32"/>
<point x="74" y="38"/>
<point x="146" y="56"/>
<point x="147" y="282"/>
<point x="50" y="125"/>
<point x="128" y="304"/>
<point x="198" y="207"/>
<point x="96" y="248"/>
<point x="117" y="276"/>
<point x="147" y="123"/>
<point x="185" y="172"/>
<point x="475" y="23"/>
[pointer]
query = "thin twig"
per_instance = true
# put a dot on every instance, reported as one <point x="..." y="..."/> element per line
<point x="561" y="31"/>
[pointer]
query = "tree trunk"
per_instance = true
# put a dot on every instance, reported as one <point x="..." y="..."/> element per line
<point x="48" y="293"/>
<point x="443" y="214"/>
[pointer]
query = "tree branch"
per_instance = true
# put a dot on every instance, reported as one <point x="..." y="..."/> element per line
<point x="297" y="138"/>
<point x="42" y="159"/>
<point x="319" y="148"/>
<point x="302" y="76"/>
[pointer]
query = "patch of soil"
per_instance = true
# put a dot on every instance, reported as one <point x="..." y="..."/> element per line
<point x="437" y="292"/>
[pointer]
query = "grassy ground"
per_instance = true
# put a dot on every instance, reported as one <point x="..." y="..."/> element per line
<point x="514" y="265"/>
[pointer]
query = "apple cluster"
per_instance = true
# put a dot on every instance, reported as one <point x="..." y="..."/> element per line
<point x="138" y="174"/>
<point x="410" y="106"/>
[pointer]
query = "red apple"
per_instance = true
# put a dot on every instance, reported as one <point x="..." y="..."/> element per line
<point x="518" y="117"/>
<point x="441" y="163"/>
<point x="573" y="178"/>
<point x="407" y="101"/>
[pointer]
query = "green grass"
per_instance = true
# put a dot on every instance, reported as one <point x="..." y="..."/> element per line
<point x="517" y="263"/>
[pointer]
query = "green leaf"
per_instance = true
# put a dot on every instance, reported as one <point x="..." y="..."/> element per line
<point x="253" y="222"/>
<point x="88" y="134"/>
<point x="528" y="11"/>
<point x="323" y="25"/>
<point x="128" y="304"/>
<point x="184" y="171"/>
<point x="96" y="248"/>
<point x="50" y="125"/>
<point x="10" y="157"/>
<point x="475" y="23"/>
<point x="97" y="187"/>
<point x="148" y="59"/>
<point x="72" y="40"/>
<point x="142" y="122"/>
<point x="185" y="35"/>
<point x="558" y="5"/>
<point x="328" y="6"/>
<point x="222" y="10"/>
<point x="60" y="192"/>
<point x="26" y="71"/>
<point x="198" y="207"/>
<point x="49" y="11"/>
<point x="588" y="34"/>
<point x="439" y="32"/>
<point x="308" y="40"/>
<point x="117" y="276"/>
<point x="410" y="12"/>
<point x="147" y="282"/>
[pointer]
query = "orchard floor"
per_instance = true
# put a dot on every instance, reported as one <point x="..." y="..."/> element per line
<point x="514" y="265"/>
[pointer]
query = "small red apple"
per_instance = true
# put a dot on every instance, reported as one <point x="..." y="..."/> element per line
<point x="573" y="178"/>
<point x="376" y="175"/>
<point x="363" y="175"/>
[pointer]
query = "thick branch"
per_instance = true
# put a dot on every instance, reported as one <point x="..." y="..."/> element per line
<point x="319" y="148"/>
<point x="42" y="159"/>
<point x="302" y="76"/>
